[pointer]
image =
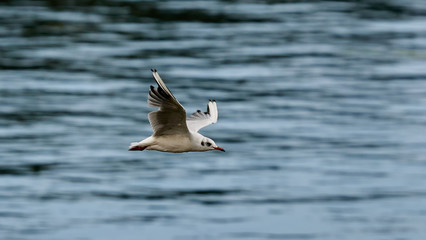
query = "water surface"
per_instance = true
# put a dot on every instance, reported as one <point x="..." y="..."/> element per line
<point x="321" y="111"/>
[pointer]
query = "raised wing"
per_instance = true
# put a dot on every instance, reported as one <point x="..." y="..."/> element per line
<point x="170" y="119"/>
<point x="201" y="119"/>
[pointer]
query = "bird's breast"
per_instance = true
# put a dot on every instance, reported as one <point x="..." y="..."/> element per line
<point x="172" y="143"/>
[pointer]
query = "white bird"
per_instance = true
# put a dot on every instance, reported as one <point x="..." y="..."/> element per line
<point x="173" y="132"/>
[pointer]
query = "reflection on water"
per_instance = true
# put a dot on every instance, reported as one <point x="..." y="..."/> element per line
<point x="321" y="110"/>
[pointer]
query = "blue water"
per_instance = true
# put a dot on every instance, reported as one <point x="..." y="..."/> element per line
<point x="321" y="111"/>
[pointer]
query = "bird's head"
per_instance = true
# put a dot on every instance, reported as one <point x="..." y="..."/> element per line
<point x="209" y="144"/>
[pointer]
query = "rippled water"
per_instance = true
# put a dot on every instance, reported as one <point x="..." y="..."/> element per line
<point x="321" y="111"/>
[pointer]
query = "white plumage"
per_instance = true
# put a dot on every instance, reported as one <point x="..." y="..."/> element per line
<point x="173" y="132"/>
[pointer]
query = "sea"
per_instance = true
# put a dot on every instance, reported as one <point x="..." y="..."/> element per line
<point x="322" y="113"/>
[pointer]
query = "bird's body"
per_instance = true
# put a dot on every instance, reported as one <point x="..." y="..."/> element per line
<point x="173" y="132"/>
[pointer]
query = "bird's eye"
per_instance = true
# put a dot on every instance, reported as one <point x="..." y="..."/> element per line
<point x="202" y="143"/>
<point x="209" y="144"/>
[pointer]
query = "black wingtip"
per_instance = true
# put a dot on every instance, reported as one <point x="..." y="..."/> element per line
<point x="153" y="70"/>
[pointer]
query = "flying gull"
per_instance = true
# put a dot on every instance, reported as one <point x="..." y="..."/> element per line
<point x="173" y="131"/>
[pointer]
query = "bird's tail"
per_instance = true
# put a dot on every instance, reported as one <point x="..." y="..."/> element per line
<point x="134" y="146"/>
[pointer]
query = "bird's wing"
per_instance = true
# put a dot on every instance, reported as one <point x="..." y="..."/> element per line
<point x="170" y="118"/>
<point x="201" y="119"/>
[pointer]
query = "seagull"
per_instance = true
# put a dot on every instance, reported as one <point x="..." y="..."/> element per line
<point x="173" y="131"/>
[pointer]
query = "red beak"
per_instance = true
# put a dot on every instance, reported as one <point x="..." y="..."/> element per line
<point x="220" y="149"/>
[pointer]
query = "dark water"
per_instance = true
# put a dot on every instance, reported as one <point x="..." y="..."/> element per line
<point x="321" y="104"/>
